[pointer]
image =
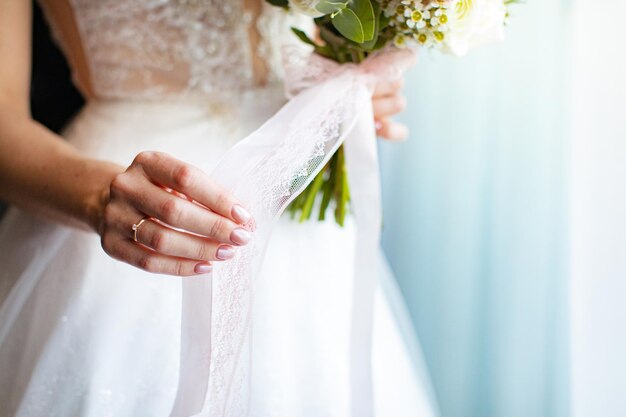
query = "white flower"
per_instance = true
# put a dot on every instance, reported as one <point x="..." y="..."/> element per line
<point x="473" y="23"/>
<point x="400" y="41"/>
<point x="424" y="39"/>
<point x="390" y="7"/>
<point x="417" y="18"/>
<point x="306" y="7"/>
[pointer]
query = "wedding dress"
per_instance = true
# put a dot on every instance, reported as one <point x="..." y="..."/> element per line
<point x="84" y="335"/>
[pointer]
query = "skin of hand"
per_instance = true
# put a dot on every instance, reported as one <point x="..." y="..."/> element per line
<point x="388" y="101"/>
<point x="47" y="177"/>
<point x="192" y="221"/>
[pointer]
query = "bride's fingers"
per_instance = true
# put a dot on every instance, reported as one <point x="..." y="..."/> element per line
<point x="186" y="215"/>
<point x="388" y="88"/>
<point x="192" y="182"/>
<point x="141" y="257"/>
<point x="154" y="201"/>
<point x="179" y="244"/>
<point x="390" y="130"/>
<point x="388" y="106"/>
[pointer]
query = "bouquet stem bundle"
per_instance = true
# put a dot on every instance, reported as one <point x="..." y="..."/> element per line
<point x="331" y="184"/>
<point x="351" y="30"/>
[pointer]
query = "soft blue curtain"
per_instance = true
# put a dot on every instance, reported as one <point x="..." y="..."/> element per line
<point x="476" y="219"/>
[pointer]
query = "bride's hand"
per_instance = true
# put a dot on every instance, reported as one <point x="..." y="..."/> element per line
<point x="388" y="101"/>
<point x="171" y="194"/>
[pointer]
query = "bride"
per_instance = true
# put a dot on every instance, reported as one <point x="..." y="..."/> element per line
<point x="87" y="328"/>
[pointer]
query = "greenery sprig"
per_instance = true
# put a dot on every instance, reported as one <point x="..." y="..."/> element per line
<point x="350" y="30"/>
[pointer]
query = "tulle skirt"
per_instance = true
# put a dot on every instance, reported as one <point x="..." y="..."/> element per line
<point x="84" y="335"/>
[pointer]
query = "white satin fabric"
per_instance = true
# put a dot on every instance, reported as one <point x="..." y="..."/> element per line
<point x="84" y="335"/>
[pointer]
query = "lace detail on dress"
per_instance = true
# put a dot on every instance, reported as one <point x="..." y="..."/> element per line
<point x="168" y="48"/>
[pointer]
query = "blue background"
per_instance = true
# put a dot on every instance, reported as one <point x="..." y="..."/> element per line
<point x="476" y="218"/>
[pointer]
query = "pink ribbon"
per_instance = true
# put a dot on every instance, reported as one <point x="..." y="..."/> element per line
<point x="330" y="105"/>
<point x="305" y="70"/>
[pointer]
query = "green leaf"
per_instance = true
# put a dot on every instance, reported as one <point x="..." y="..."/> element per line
<point x="312" y="191"/>
<point x="365" y="12"/>
<point x="303" y="37"/>
<point x="342" y="192"/>
<point x="357" y="22"/>
<point x="349" y="25"/>
<point x="330" y="6"/>
<point x="383" y="22"/>
<point x="328" y="187"/>
<point x="279" y="3"/>
<point x="326" y="51"/>
<point x="331" y="37"/>
<point x="371" y="43"/>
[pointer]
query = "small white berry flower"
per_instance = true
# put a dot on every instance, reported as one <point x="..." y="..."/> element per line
<point x="417" y="18"/>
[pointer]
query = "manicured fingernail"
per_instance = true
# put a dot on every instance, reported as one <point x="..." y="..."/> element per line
<point x="203" y="268"/>
<point x="225" y="252"/>
<point x="240" y="236"/>
<point x="378" y="125"/>
<point x="240" y="214"/>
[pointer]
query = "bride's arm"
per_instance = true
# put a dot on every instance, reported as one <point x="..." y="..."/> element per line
<point x="38" y="170"/>
<point x="43" y="174"/>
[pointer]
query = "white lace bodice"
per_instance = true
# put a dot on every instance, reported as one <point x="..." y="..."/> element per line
<point x="163" y="48"/>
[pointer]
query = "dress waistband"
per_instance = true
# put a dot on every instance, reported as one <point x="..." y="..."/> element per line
<point x="250" y="101"/>
<point x="198" y="131"/>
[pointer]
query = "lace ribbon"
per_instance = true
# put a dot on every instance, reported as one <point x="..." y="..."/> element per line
<point x="330" y="105"/>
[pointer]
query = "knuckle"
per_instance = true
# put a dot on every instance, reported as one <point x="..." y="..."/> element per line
<point x="148" y="263"/>
<point x="398" y="83"/>
<point x="158" y="241"/>
<point x="118" y="184"/>
<point x="144" y="157"/>
<point x="204" y="252"/>
<point x="171" y="210"/>
<point x="218" y="227"/>
<point x="222" y="199"/>
<point x="183" y="177"/>
<point x="179" y="268"/>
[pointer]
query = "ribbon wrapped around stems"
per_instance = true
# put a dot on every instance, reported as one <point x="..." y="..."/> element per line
<point x="330" y="105"/>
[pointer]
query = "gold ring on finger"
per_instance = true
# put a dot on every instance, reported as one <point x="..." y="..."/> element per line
<point x="136" y="227"/>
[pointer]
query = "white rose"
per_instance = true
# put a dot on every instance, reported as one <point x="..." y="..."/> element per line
<point x="306" y="7"/>
<point x="474" y="23"/>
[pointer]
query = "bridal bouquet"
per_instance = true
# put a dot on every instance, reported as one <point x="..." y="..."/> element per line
<point x="351" y="30"/>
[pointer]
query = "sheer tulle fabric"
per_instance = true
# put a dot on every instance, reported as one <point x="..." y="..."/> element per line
<point x="267" y="170"/>
<point x="82" y="334"/>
